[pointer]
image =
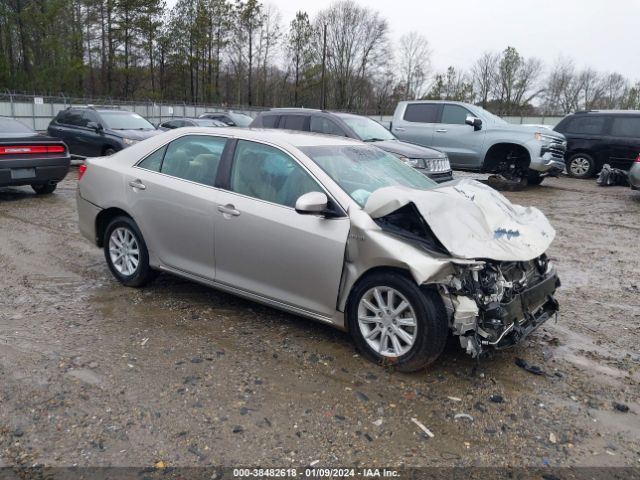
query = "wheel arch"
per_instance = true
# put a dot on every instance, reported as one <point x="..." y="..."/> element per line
<point x="498" y="151"/>
<point x="104" y="218"/>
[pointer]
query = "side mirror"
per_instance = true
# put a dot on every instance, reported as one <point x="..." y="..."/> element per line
<point x="312" y="203"/>
<point x="95" y="126"/>
<point x="475" y="122"/>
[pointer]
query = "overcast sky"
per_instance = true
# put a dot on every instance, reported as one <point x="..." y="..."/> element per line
<point x="600" y="33"/>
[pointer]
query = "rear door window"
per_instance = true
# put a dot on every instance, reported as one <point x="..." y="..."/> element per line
<point x="295" y="122"/>
<point x="586" y="125"/>
<point x="626" y="127"/>
<point x="194" y="157"/>
<point x="422" y="112"/>
<point x="154" y="161"/>
<point x="74" y="117"/>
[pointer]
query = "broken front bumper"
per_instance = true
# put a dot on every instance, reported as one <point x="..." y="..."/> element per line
<point x="500" y="325"/>
<point x="525" y="313"/>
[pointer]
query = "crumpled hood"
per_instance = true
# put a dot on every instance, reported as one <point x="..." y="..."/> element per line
<point x="472" y="220"/>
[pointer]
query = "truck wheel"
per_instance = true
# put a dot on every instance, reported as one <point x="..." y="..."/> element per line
<point x="44" y="188"/>
<point x="581" y="165"/>
<point x="395" y="322"/>
<point x="534" y="178"/>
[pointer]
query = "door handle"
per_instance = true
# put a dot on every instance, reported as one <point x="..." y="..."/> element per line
<point x="137" y="184"/>
<point x="441" y="130"/>
<point x="228" y="210"/>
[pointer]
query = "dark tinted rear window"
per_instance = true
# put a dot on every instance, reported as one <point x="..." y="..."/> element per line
<point x="626" y="127"/>
<point x="270" y="121"/>
<point x="586" y="125"/>
<point x="421" y="112"/>
<point x="295" y="122"/>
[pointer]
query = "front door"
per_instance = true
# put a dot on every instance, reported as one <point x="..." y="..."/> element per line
<point x="263" y="246"/>
<point x="173" y="201"/>
<point x="460" y="141"/>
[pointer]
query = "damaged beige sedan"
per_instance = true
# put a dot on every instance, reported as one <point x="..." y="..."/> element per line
<point x="327" y="228"/>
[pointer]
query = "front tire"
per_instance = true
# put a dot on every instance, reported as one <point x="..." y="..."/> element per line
<point x="581" y="165"/>
<point x="44" y="188"/>
<point x="126" y="253"/>
<point x="395" y="322"/>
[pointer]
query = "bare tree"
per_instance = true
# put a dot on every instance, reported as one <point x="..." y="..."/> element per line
<point x="484" y="76"/>
<point x="300" y="34"/>
<point x="592" y="88"/>
<point x="564" y="86"/>
<point x="354" y="37"/>
<point x="414" y="62"/>
<point x="517" y="79"/>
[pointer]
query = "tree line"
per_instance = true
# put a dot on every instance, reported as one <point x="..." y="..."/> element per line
<point x="241" y="52"/>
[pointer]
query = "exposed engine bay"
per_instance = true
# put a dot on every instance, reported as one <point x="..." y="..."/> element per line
<point x="505" y="290"/>
<point x="496" y="305"/>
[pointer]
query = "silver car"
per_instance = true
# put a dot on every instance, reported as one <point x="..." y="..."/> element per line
<point x="328" y="228"/>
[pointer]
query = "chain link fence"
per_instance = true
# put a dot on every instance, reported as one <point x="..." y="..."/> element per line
<point x="37" y="111"/>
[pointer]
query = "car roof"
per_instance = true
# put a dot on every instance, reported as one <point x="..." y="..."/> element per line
<point x="290" y="137"/>
<point x="448" y="102"/>
<point x="607" y="112"/>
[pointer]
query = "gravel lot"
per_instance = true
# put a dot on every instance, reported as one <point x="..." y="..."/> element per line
<point x="95" y="374"/>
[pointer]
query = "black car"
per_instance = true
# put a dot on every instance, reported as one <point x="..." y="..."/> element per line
<point x="28" y="158"/>
<point x="190" y="122"/>
<point x="231" y="119"/>
<point x="98" y="131"/>
<point x="596" y="137"/>
<point x="429" y="161"/>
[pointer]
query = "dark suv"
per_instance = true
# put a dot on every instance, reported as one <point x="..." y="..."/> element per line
<point x="97" y="131"/>
<point x="428" y="161"/>
<point x="596" y="137"/>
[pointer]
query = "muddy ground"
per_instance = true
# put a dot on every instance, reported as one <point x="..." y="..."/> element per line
<point x="94" y="374"/>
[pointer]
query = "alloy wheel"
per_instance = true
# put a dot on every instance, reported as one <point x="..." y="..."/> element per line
<point x="387" y="321"/>
<point x="580" y="166"/>
<point x="124" y="251"/>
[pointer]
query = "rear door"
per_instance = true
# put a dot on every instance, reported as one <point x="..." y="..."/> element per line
<point x="173" y="200"/>
<point x="460" y="141"/>
<point x="624" y="142"/>
<point x="418" y="122"/>
<point x="263" y="246"/>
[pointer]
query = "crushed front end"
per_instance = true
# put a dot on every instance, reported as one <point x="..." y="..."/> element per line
<point x="494" y="305"/>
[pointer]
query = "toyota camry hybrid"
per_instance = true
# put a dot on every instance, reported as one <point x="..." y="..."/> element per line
<point x="328" y="228"/>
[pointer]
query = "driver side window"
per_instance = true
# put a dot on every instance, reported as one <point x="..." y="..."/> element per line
<point x="268" y="174"/>
<point x="454" y="115"/>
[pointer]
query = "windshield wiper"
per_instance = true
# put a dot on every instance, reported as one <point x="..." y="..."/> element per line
<point x="373" y="140"/>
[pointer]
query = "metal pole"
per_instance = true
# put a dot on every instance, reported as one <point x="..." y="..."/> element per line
<point x="324" y="61"/>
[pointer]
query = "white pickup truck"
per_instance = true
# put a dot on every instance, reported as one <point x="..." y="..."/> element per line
<point x="477" y="140"/>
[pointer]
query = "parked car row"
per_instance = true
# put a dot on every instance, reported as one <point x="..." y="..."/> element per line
<point x="432" y="163"/>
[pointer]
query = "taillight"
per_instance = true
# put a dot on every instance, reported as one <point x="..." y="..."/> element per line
<point x="30" y="149"/>
<point x="81" y="169"/>
<point x="638" y="159"/>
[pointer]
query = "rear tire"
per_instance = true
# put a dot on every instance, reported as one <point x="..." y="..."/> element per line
<point x="44" y="188"/>
<point x="126" y="253"/>
<point x="581" y="165"/>
<point x="409" y="340"/>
